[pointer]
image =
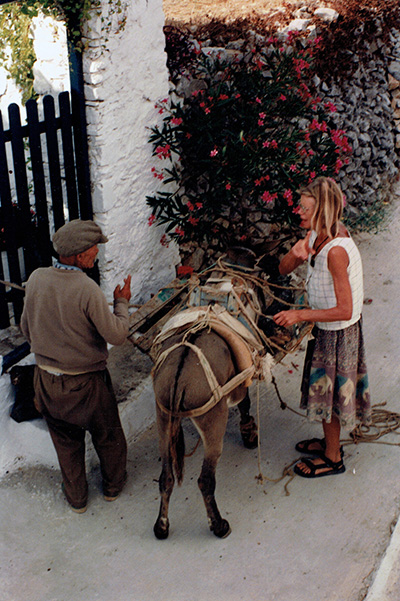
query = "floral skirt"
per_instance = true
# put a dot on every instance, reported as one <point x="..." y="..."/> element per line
<point x="335" y="378"/>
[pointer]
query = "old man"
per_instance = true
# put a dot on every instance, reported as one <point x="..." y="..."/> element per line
<point x="68" y="323"/>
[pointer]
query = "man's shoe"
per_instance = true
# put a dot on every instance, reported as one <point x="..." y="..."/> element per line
<point x="116" y="495"/>
<point x="109" y="498"/>
<point x="73" y="507"/>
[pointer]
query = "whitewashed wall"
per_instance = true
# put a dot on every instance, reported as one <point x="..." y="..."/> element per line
<point x="123" y="81"/>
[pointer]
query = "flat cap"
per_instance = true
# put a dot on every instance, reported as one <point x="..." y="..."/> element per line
<point x="76" y="236"/>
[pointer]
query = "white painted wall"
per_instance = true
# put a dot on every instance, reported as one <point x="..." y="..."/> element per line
<point x="123" y="81"/>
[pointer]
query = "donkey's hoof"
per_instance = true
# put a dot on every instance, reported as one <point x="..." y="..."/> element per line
<point x="222" y="530"/>
<point x="161" y="530"/>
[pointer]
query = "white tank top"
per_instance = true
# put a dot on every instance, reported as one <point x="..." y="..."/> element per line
<point x="320" y="289"/>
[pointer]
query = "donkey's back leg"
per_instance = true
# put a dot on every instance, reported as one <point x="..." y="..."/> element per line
<point x="212" y="428"/>
<point x="167" y="480"/>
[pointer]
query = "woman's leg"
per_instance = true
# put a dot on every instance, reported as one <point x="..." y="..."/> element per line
<point x="332" y="451"/>
<point x="332" y="439"/>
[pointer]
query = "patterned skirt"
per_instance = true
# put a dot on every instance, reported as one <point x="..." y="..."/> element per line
<point x="335" y="378"/>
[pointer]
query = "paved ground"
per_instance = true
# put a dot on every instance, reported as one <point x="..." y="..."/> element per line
<point x="325" y="541"/>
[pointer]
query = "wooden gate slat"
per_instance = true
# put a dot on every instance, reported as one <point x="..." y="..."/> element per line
<point x="68" y="155"/>
<point x="82" y="162"/>
<point x="39" y="185"/>
<point x="25" y="225"/>
<point x="54" y="161"/>
<point x="9" y="234"/>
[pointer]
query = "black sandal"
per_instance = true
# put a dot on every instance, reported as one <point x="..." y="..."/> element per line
<point x="335" y="467"/>
<point x="304" y="447"/>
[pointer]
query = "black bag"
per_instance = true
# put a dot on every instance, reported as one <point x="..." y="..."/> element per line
<point x="22" y="381"/>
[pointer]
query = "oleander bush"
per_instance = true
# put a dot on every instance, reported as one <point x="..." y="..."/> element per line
<point x="246" y="139"/>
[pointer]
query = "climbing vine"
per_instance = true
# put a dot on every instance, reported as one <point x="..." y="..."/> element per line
<point x="17" y="53"/>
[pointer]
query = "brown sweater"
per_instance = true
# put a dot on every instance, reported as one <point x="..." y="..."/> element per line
<point x="67" y="320"/>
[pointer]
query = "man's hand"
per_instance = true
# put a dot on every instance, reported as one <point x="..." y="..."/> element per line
<point x="125" y="291"/>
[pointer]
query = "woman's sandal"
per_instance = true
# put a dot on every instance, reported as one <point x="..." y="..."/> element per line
<point x="304" y="447"/>
<point x="334" y="468"/>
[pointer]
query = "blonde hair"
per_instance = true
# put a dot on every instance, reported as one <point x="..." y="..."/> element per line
<point x="328" y="205"/>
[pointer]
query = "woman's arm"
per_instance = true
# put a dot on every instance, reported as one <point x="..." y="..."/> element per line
<point x="338" y="261"/>
<point x="296" y="256"/>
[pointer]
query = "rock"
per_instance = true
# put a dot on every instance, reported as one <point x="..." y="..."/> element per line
<point x="326" y="14"/>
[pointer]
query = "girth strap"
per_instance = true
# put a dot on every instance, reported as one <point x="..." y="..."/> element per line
<point x="218" y="391"/>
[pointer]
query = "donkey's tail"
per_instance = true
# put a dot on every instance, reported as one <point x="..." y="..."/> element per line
<point x="176" y="438"/>
<point x="177" y="447"/>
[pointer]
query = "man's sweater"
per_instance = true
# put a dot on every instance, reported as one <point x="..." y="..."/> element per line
<point x="68" y="322"/>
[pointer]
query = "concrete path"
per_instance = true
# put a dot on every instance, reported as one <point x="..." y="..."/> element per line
<point x="328" y="540"/>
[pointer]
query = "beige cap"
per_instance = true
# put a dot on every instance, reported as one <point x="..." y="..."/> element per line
<point x="76" y="236"/>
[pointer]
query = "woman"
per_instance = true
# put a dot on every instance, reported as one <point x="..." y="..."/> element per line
<point x="335" y="381"/>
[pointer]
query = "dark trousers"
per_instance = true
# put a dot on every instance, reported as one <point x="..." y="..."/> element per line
<point x="71" y="406"/>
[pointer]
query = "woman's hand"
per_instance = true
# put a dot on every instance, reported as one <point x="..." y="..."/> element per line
<point x="288" y="318"/>
<point x="302" y="249"/>
<point x="296" y="255"/>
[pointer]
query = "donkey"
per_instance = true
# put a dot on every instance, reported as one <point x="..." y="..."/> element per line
<point x="180" y="384"/>
<point x="182" y="389"/>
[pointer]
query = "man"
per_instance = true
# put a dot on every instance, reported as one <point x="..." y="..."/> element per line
<point x="68" y="323"/>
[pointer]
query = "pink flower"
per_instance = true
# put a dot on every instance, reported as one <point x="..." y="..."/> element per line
<point x="207" y="111"/>
<point x="151" y="219"/>
<point x="199" y="205"/>
<point x="293" y="168"/>
<point x="262" y="115"/>
<point x="179" y="231"/>
<point x="329" y="106"/>
<point x="274" y="144"/>
<point x="190" y="206"/>
<point x="268" y="197"/>
<point x="282" y="97"/>
<point x="338" y="165"/>
<point x="288" y="196"/>
<point x="214" y="153"/>
<point x="193" y="220"/>
<point x="163" y="152"/>
<point x="176" y="120"/>
<point x="258" y="100"/>
<point x="223" y="97"/>
<point x="164" y="241"/>
<point x="228" y="186"/>
<point x="324" y="167"/>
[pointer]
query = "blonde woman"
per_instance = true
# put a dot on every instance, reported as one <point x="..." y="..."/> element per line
<point x="335" y="381"/>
